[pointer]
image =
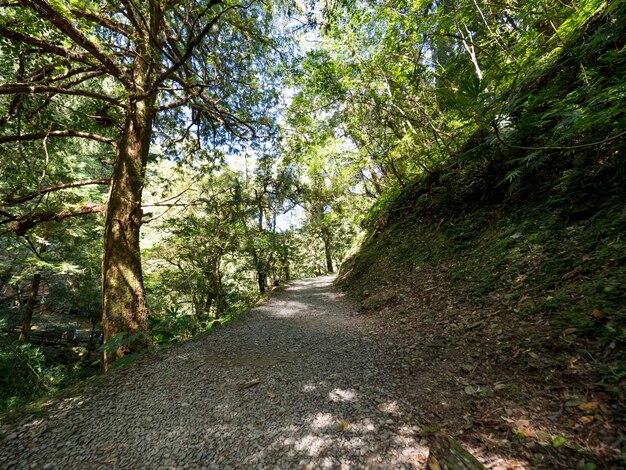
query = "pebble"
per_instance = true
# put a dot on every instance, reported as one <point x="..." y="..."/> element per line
<point x="321" y="377"/>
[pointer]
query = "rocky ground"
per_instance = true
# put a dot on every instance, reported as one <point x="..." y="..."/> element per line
<point x="309" y="380"/>
<point x="295" y="384"/>
<point x="303" y="381"/>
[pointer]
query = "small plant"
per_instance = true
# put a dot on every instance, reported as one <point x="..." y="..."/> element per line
<point x="23" y="374"/>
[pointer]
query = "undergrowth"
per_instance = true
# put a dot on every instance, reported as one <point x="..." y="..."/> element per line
<point x="29" y="375"/>
<point x="543" y="231"/>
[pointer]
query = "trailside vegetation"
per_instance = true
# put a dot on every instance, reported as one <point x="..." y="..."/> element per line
<point x="164" y="164"/>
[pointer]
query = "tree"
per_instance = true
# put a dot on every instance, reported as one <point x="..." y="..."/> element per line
<point x="326" y="172"/>
<point x="32" y="299"/>
<point x="406" y="83"/>
<point x="132" y="61"/>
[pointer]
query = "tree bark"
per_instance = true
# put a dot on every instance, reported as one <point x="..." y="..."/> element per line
<point x="262" y="280"/>
<point x="27" y="319"/>
<point x="30" y="308"/>
<point x="123" y="300"/>
<point x="215" y="296"/>
<point x="327" y="250"/>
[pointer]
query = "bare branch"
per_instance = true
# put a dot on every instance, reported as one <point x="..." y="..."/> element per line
<point x="128" y="13"/>
<point x="84" y="78"/>
<point x="63" y="133"/>
<point x="177" y="103"/>
<point x="75" y="184"/>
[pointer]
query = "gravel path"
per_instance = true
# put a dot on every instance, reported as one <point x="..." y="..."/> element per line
<point x="299" y="383"/>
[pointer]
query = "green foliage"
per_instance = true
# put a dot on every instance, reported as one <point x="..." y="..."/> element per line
<point x="120" y="340"/>
<point x="27" y="374"/>
<point x="22" y="374"/>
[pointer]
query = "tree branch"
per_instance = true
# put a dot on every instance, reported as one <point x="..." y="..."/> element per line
<point x="177" y="103"/>
<point x="43" y="45"/>
<point x="22" y="223"/>
<point x="75" y="184"/>
<point x="11" y="88"/>
<point x="105" y="22"/>
<point x="63" y="133"/>
<point x="193" y="43"/>
<point x="48" y="12"/>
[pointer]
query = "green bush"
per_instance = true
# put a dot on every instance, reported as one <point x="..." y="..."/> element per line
<point x="23" y="374"/>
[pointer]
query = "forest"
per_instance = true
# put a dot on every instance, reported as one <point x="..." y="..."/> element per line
<point x="165" y="165"/>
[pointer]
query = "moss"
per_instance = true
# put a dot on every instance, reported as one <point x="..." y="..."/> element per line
<point x="377" y="301"/>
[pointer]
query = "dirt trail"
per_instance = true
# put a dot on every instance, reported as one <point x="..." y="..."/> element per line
<point x="303" y="381"/>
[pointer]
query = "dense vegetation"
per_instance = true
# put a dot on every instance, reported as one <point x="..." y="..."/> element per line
<point x="163" y="165"/>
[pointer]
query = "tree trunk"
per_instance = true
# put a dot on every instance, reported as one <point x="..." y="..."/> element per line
<point x="30" y="308"/>
<point x="287" y="272"/>
<point x="327" y="250"/>
<point x="208" y="303"/>
<point x="262" y="280"/>
<point x="215" y="295"/>
<point x="329" y="259"/>
<point x="220" y="300"/>
<point x="32" y="300"/>
<point x="123" y="296"/>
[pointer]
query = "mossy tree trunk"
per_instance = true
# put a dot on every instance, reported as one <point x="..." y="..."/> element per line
<point x="124" y="304"/>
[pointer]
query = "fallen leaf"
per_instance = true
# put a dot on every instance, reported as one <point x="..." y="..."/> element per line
<point x="524" y="433"/>
<point x="586" y="419"/>
<point x="558" y="441"/>
<point x="108" y="448"/>
<point x="572" y="403"/>
<point x="569" y="331"/>
<point x="500" y="386"/>
<point x="250" y="384"/>
<point x="474" y="325"/>
<point x="533" y="355"/>
<point x="343" y="426"/>
<point x="111" y="459"/>
<point x="590" y="405"/>
<point x="598" y="314"/>
<point x="271" y="395"/>
<point x="469" y="390"/>
<point x="425" y="431"/>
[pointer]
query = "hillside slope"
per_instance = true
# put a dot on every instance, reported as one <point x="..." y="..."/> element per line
<point x="508" y="268"/>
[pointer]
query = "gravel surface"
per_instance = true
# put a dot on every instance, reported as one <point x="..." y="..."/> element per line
<point x="300" y="383"/>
